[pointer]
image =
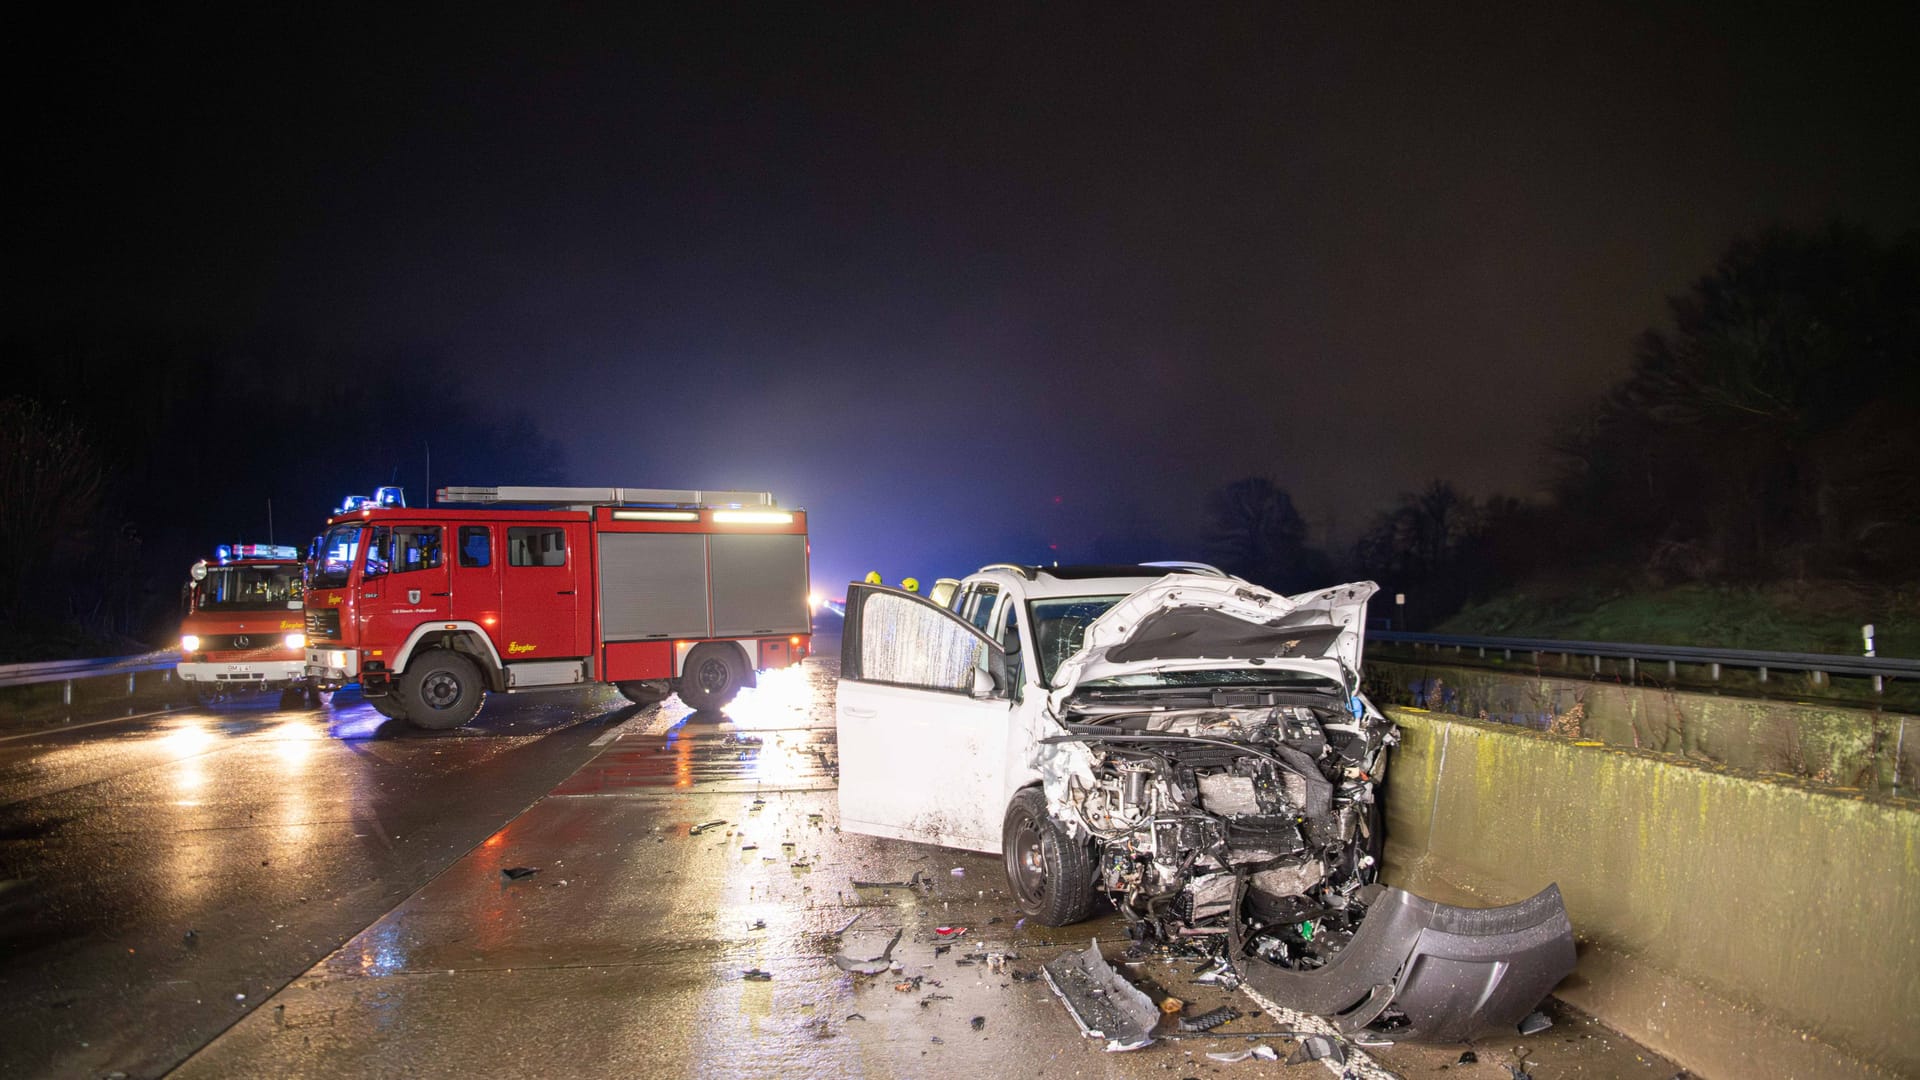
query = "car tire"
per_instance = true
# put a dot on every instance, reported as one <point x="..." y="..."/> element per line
<point x="645" y="691"/>
<point x="1049" y="872"/>
<point x="711" y="677"/>
<point x="440" y="690"/>
<point x="388" y="706"/>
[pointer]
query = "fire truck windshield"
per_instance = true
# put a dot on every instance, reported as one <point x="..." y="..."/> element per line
<point x="247" y="588"/>
<point x="338" y="550"/>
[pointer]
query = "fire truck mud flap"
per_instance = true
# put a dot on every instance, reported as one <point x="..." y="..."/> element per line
<point x="1431" y="972"/>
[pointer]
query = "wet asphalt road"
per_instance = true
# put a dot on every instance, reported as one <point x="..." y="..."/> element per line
<point x="162" y="876"/>
<point x="381" y="938"/>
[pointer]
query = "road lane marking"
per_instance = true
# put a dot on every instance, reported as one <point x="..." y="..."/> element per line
<point x="613" y="732"/>
<point x="90" y="723"/>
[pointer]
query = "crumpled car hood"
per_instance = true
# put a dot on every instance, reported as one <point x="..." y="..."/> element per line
<point x="1182" y="622"/>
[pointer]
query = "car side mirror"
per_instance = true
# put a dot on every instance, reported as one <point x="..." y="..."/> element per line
<point x="984" y="684"/>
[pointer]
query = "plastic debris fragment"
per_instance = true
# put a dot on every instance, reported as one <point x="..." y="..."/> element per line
<point x="757" y="975"/>
<point x="1316" y="1048"/>
<point x="1101" y="1002"/>
<point x="1207" y="1021"/>
<point x="1468" y="1058"/>
<point x="696" y="830"/>
<point x="1535" y="1023"/>
<point x="1263" y="1052"/>
<point x="868" y="953"/>
<point x="515" y="873"/>
<point x="979" y="1023"/>
<point x="950" y="931"/>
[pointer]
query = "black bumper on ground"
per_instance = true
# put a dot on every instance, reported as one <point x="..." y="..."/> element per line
<point x="1454" y="973"/>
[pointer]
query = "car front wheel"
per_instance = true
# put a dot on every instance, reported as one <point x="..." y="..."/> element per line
<point x="1050" y="873"/>
<point x="440" y="689"/>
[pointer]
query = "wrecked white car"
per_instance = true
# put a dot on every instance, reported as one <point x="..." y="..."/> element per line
<point x="1191" y="748"/>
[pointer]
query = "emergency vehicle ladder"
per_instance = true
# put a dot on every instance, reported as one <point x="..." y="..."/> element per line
<point x="582" y="497"/>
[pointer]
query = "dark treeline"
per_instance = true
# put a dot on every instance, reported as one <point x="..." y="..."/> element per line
<point x="126" y="456"/>
<point x="1767" y="434"/>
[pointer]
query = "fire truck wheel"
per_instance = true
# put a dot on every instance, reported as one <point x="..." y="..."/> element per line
<point x="440" y="689"/>
<point x="711" y="677"/>
<point x="388" y="706"/>
<point x="645" y="691"/>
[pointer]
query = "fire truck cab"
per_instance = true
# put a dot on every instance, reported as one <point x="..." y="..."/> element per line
<point x="507" y="589"/>
<point x="243" y="628"/>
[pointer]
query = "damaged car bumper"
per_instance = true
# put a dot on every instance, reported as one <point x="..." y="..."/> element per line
<point x="1432" y="972"/>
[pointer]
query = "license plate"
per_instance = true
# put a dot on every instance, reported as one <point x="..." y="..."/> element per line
<point x="239" y="669"/>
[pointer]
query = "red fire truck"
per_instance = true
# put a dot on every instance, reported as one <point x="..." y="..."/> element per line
<point x="243" y="628"/>
<point x="505" y="589"/>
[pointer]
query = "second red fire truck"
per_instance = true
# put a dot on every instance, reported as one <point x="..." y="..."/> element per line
<point x="653" y="590"/>
<point x="243" y="628"/>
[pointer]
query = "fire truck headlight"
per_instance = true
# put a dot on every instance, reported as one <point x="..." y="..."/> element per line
<point x="189" y="643"/>
<point x="296" y="641"/>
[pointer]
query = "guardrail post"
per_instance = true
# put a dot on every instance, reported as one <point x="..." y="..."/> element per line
<point x="66" y="692"/>
<point x="1672" y="671"/>
<point x="1819" y="678"/>
<point x="130" y="678"/>
<point x="1716" y="672"/>
<point x="1763" y="673"/>
<point x="1596" y="665"/>
<point x="1632" y="667"/>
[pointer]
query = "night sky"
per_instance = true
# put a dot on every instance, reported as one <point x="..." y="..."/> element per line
<point x="970" y="285"/>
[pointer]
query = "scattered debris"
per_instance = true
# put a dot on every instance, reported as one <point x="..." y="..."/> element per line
<point x="868" y="953"/>
<point x="850" y="922"/>
<point x="757" y="975"/>
<point x="1317" y="1047"/>
<point x="758" y="924"/>
<point x="938" y="1041"/>
<point x="1519" y="1073"/>
<point x="979" y="1023"/>
<point x="1105" y="1005"/>
<point x="942" y="950"/>
<point x="192" y="937"/>
<point x="515" y="873"/>
<point x="1220" y="974"/>
<point x="1468" y="1058"/>
<point x="703" y="827"/>
<point x="855" y="1016"/>
<point x="1535" y="1023"/>
<point x="1263" y="1052"/>
<point x="1207" y="1021"/>
<point x="931" y="998"/>
<point x="1024" y="976"/>
<point x="749" y="847"/>
<point x="958" y="871"/>
<point x="950" y="931"/>
<point x="1171" y="1005"/>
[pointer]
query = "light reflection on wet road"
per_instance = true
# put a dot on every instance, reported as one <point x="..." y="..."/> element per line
<point x="161" y="876"/>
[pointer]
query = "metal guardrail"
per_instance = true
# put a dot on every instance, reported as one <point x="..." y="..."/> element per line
<point x="71" y="671"/>
<point x="1820" y="665"/>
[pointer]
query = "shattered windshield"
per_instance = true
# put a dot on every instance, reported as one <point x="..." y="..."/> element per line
<point x="337" y="552"/>
<point x="248" y="588"/>
<point x="1060" y="626"/>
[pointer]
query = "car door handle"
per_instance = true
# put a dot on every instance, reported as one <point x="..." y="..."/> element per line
<point x="863" y="714"/>
<point x="439" y="594"/>
<point x="564" y="592"/>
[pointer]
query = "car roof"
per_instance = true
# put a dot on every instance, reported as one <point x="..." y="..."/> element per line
<point x="1088" y="579"/>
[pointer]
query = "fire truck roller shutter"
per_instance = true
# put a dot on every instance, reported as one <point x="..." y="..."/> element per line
<point x="653" y="586"/>
<point x="759" y="585"/>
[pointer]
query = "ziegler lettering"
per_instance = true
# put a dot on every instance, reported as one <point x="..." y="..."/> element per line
<point x="516" y="647"/>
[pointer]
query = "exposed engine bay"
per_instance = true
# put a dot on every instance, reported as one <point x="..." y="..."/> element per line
<point x="1253" y="821"/>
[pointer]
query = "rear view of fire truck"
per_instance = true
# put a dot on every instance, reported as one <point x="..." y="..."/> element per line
<point x="243" y="628"/>
<point x="508" y="589"/>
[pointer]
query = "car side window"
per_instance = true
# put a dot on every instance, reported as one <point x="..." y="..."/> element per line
<point x="1010" y="642"/>
<point x="476" y="545"/>
<point x="907" y="642"/>
<point x="529" y="545"/>
<point x="980" y="606"/>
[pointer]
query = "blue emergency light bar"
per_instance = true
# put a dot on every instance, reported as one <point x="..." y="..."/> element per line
<point x="227" y="553"/>
<point x="382" y="497"/>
